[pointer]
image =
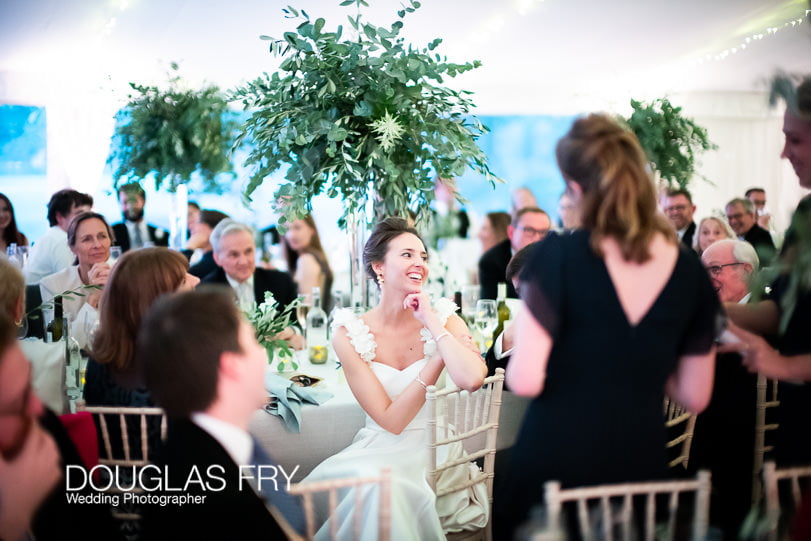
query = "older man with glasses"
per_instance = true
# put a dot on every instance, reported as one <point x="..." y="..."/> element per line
<point x="530" y="224"/>
<point x="724" y="436"/>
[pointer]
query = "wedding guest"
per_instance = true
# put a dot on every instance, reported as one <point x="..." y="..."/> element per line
<point x="29" y="460"/>
<point x="612" y="316"/>
<point x="530" y="224"/>
<point x="743" y="221"/>
<point x="724" y="434"/>
<point x="200" y="242"/>
<point x="134" y="232"/>
<point x="89" y="238"/>
<point x="51" y="253"/>
<point x="9" y="234"/>
<point x="390" y="355"/>
<point x="138" y="278"/>
<point x="205" y="368"/>
<point x="568" y="211"/>
<point x="787" y="310"/>
<point x="679" y="208"/>
<point x="711" y="229"/>
<point x="235" y="255"/>
<point x="307" y="261"/>
<point x="112" y="377"/>
<point x="494" y="229"/>
<point x="520" y="198"/>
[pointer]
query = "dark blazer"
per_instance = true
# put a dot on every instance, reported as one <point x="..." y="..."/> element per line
<point x="493" y="269"/>
<point x="122" y="236"/>
<point x="761" y="240"/>
<point x="279" y="283"/>
<point x="687" y="238"/>
<point x="229" y="513"/>
<point x="205" y="266"/>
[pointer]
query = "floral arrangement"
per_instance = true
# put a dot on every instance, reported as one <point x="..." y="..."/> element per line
<point x="671" y="141"/>
<point x="174" y="133"/>
<point x="362" y="116"/>
<point x="268" y="321"/>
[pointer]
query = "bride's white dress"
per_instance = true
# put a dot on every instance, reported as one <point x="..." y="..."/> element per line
<point x="415" y="512"/>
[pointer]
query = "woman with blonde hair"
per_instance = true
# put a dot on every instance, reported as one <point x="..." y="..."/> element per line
<point x="709" y="230"/>
<point x="306" y="259"/>
<point x="613" y="316"/>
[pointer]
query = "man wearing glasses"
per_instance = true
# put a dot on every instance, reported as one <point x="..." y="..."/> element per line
<point x="530" y="224"/>
<point x="679" y="208"/>
<point x="724" y="435"/>
<point x="29" y="461"/>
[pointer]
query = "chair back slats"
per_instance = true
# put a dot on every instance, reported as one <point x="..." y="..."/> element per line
<point x="764" y="401"/>
<point x="307" y="491"/>
<point x="676" y="415"/>
<point x="602" y="496"/>
<point x="456" y="415"/>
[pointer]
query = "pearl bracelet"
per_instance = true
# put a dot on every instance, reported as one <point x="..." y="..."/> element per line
<point x="441" y="336"/>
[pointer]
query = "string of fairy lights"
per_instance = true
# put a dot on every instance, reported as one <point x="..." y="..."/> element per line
<point x="751" y="40"/>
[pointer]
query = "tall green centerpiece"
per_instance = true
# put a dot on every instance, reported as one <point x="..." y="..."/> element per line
<point x="174" y="133"/>
<point x="671" y="141"/>
<point x="363" y="117"/>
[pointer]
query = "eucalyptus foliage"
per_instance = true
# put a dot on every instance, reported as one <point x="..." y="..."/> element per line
<point x="173" y="133"/>
<point x="268" y="320"/>
<point x="359" y="117"/>
<point x="672" y="142"/>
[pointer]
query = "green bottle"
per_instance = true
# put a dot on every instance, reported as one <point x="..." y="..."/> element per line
<point x="502" y="308"/>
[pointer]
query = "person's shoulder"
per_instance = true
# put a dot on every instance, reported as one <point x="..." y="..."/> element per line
<point x="497" y="251"/>
<point x="217" y="276"/>
<point x="273" y="275"/>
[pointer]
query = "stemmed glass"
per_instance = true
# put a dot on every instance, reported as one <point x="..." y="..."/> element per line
<point x="470" y="296"/>
<point x="486" y="320"/>
<point x="302" y="309"/>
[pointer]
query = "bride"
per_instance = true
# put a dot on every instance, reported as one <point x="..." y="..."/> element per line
<point x="390" y="355"/>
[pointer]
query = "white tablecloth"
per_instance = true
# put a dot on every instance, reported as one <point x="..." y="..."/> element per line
<point x="330" y="427"/>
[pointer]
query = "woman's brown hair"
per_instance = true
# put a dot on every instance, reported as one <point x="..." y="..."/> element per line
<point x="619" y="197"/>
<point x="317" y="252"/>
<point x="137" y="279"/>
<point x="11" y="234"/>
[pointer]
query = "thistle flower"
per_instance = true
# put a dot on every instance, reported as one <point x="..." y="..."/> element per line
<point x="388" y="129"/>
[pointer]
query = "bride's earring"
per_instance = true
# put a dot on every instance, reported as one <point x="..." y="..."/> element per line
<point x="380" y="279"/>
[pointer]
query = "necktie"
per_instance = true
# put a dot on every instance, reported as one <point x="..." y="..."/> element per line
<point x="138" y="240"/>
<point x="276" y="493"/>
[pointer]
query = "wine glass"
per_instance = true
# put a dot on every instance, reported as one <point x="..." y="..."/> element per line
<point x="486" y="320"/>
<point x="470" y="296"/>
<point x="302" y="309"/>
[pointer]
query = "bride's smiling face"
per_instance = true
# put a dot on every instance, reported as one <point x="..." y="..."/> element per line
<point x="405" y="265"/>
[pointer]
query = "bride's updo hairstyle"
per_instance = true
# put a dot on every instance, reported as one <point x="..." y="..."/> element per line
<point x="619" y="198"/>
<point x="378" y="243"/>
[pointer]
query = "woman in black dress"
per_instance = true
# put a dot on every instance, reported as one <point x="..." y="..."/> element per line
<point x="613" y="316"/>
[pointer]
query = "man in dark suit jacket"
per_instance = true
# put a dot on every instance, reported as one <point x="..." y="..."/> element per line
<point x="235" y="254"/>
<point x="201" y="335"/>
<point x="679" y="208"/>
<point x="132" y="198"/>
<point x="742" y="218"/>
<point x="530" y="224"/>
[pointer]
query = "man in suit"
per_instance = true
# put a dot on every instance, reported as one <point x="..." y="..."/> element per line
<point x="742" y="219"/>
<point x="724" y="435"/>
<point x="203" y="365"/>
<point x="235" y="255"/>
<point x="530" y="224"/>
<point x="134" y="232"/>
<point x="679" y="208"/>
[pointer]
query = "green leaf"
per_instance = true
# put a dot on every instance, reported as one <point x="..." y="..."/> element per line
<point x="337" y="134"/>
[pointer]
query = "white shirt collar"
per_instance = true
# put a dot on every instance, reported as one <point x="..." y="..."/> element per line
<point x="234" y="440"/>
<point x="244" y="291"/>
<point x="745" y="299"/>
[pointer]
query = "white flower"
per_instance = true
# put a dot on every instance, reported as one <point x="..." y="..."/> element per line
<point x="388" y="129"/>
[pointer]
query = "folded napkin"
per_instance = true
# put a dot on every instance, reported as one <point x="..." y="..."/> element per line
<point x="289" y="398"/>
